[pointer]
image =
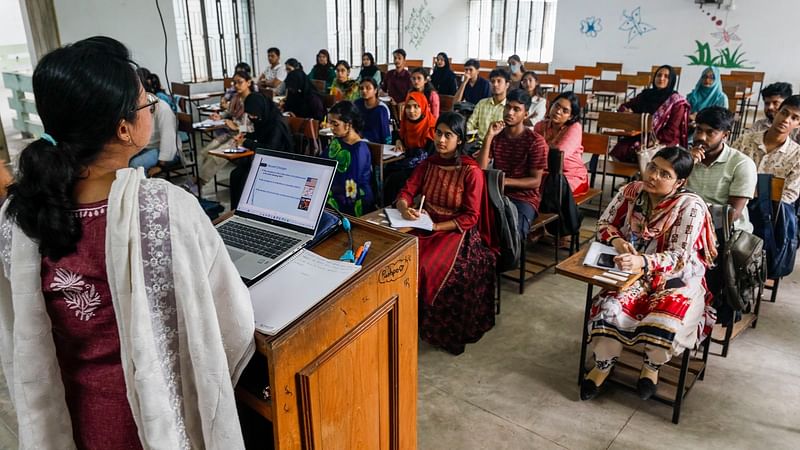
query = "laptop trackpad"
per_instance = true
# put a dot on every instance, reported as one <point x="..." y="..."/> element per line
<point x="236" y="254"/>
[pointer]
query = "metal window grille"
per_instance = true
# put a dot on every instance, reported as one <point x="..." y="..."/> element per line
<point x="359" y="26"/>
<point x="501" y="28"/>
<point x="213" y="36"/>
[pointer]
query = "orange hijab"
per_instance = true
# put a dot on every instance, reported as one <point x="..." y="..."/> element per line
<point x="418" y="133"/>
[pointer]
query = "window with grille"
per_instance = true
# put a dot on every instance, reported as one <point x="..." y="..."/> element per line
<point x="213" y="36"/>
<point x="501" y="28"/>
<point x="359" y="26"/>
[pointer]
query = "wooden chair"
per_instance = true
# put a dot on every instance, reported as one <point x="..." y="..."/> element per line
<point x="635" y="82"/>
<point x="537" y="66"/>
<point x="484" y="74"/>
<point x="187" y="164"/>
<point x="446" y="103"/>
<point x="328" y="101"/>
<point x="624" y="125"/>
<point x="227" y="82"/>
<point x="597" y="146"/>
<point x="457" y="67"/>
<point x="610" y="92"/>
<point x="549" y="81"/>
<point x="383" y="67"/>
<point x="732" y="92"/>
<point x="609" y="67"/>
<point x="588" y="73"/>
<point x="568" y="77"/>
<point x="754" y="77"/>
<point x="376" y="155"/>
<point x="488" y="63"/>
<point x="306" y="135"/>
<point x="776" y="192"/>
<point x="412" y="63"/>
<point x="319" y="85"/>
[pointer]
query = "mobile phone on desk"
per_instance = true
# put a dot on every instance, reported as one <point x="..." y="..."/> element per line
<point x="606" y="260"/>
<point x="235" y="150"/>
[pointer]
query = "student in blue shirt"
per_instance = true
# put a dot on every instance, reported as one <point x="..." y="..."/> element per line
<point x="473" y="87"/>
<point x="374" y="113"/>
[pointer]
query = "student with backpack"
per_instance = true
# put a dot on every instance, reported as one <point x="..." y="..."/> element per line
<point x="456" y="259"/>
<point x="520" y="153"/>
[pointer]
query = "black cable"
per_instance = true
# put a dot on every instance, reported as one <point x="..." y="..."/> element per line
<point x="166" y="54"/>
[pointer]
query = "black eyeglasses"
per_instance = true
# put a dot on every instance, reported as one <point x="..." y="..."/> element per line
<point x="152" y="101"/>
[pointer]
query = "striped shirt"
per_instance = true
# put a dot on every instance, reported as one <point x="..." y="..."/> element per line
<point x="518" y="157"/>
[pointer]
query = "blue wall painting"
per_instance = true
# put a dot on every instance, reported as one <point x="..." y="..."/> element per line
<point x="632" y="23"/>
<point x="590" y="26"/>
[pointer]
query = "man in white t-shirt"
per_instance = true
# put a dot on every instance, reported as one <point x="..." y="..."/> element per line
<point x="275" y="74"/>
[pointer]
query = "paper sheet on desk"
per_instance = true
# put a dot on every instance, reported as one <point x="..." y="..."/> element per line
<point x="208" y="123"/>
<point x="295" y="287"/>
<point x="396" y="220"/>
<point x="594" y="253"/>
<point x="390" y="152"/>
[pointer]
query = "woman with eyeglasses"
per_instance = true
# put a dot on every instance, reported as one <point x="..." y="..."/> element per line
<point x="111" y="282"/>
<point x="457" y="258"/>
<point x="562" y="129"/>
<point x="664" y="231"/>
<point x="343" y="87"/>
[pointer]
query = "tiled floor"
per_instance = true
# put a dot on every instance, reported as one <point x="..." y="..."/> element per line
<point x="516" y="388"/>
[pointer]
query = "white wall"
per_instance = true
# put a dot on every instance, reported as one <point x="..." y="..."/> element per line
<point x="135" y="23"/>
<point x="765" y="30"/>
<point x="297" y="27"/>
<point x="447" y="33"/>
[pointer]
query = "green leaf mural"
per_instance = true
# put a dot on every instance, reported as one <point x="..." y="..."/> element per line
<point x="724" y="58"/>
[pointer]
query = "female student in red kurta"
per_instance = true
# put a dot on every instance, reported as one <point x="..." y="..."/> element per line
<point x="456" y="262"/>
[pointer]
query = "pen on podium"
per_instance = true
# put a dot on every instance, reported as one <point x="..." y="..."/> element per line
<point x="363" y="256"/>
<point x="421" y="203"/>
<point x="358" y="252"/>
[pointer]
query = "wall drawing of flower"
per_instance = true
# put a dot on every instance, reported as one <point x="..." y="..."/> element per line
<point x="590" y="26"/>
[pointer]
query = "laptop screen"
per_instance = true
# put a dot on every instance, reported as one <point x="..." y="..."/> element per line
<point x="287" y="189"/>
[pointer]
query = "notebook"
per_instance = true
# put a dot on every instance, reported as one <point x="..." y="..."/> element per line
<point x="279" y="211"/>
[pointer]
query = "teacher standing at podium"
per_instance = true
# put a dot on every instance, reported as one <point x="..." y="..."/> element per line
<point x="456" y="264"/>
<point x="123" y="322"/>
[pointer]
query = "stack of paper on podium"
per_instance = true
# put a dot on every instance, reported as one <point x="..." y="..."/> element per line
<point x="295" y="287"/>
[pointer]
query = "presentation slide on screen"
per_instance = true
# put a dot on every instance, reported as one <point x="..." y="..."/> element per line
<point x="287" y="190"/>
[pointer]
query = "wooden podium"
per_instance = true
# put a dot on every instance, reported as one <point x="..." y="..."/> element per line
<point x="344" y="375"/>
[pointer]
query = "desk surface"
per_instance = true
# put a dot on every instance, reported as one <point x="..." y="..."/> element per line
<point x="219" y="153"/>
<point x="573" y="267"/>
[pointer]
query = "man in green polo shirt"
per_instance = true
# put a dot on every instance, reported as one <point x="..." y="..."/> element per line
<point x="489" y="110"/>
<point x="721" y="174"/>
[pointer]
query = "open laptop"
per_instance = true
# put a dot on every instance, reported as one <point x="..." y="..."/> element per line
<point x="279" y="211"/>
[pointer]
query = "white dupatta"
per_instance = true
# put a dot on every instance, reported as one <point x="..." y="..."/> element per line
<point x="184" y="317"/>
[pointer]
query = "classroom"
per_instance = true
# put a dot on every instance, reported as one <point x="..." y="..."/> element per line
<point x="399" y="224"/>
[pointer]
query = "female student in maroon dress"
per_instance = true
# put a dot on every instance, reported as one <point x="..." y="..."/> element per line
<point x="123" y="322"/>
<point x="456" y="259"/>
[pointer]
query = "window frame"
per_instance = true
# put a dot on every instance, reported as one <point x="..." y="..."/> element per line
<point x="380" y="39"/>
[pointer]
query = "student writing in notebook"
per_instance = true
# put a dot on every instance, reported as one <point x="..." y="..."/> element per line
<point x="456" y="264"/>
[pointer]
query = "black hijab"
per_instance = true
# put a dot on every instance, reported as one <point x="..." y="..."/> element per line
<point x="269" y="129"/>
<point x="652" y="98"/>
<point x="369" y="71"/>
<point x="301" y="97"/>
<point x="443" y="78"/>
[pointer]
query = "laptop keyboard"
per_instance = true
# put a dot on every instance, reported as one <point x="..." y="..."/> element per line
<point x="256" y="240"/>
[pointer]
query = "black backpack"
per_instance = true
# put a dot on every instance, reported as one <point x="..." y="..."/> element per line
<point x="557" y="198"/>
<point x="505" y="213"/>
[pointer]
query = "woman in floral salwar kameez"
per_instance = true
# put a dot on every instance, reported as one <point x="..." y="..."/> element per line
<point x="665" y="231"/>
<point x="456" y="259"/>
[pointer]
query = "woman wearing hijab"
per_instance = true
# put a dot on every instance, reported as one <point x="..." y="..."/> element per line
<point x="670" y="113"/>
<point x="416" y="136"/>
<point x="707" y="92"/>
<point x="323" y="70"/>
<point x="302" y="99"/>
<point x="369" y="69"/>
<point x="443" y="78"/>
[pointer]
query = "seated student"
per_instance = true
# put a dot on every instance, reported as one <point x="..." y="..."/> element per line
<point x="443" y="78"/>
<point x="722" y="175"/>
<point x="344" y="88"/>
<point x="275" y="73"/>
<point x="153" y="85"/>
<point x="105" y="304"/>
<point x="774" y="152"/>
<point x="661" y="228"/>
<point x="268" y="131"/>
<point x="489" y="109"/>
<point x="369" y="69"/>
<point x="323" y="70"/>
<point x="474" y="88"/>
<point x="164" y="147"/>
<point x="670" y="113"/>
<point x="374" y="113"/>
<point x="292" y="64"/>
<point x="538" y="109"/>
<point x="420" y="83"/>
<point x="456" y="262"/>
<point x="235" y="121"/>
<point x="302" y="100"/>
<point x="773" y="95"/>
<point x="351" y="191"/>
<point x="521" y="154"/>
<point x="707" y="92"/>
<point x="398" y="80"/>
<point x="415" y="139"/>
<point x="517" y="70"/>
<point x="562" y="129"/>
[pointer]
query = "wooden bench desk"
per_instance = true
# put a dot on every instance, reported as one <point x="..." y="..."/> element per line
<point x="344" y="374"/>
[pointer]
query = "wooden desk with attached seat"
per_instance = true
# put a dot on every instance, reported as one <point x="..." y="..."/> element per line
<point x="344" y="374"/>
<point x="675" y="377"/>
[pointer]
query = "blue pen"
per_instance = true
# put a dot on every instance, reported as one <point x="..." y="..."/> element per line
<point x="364" y="253"/>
